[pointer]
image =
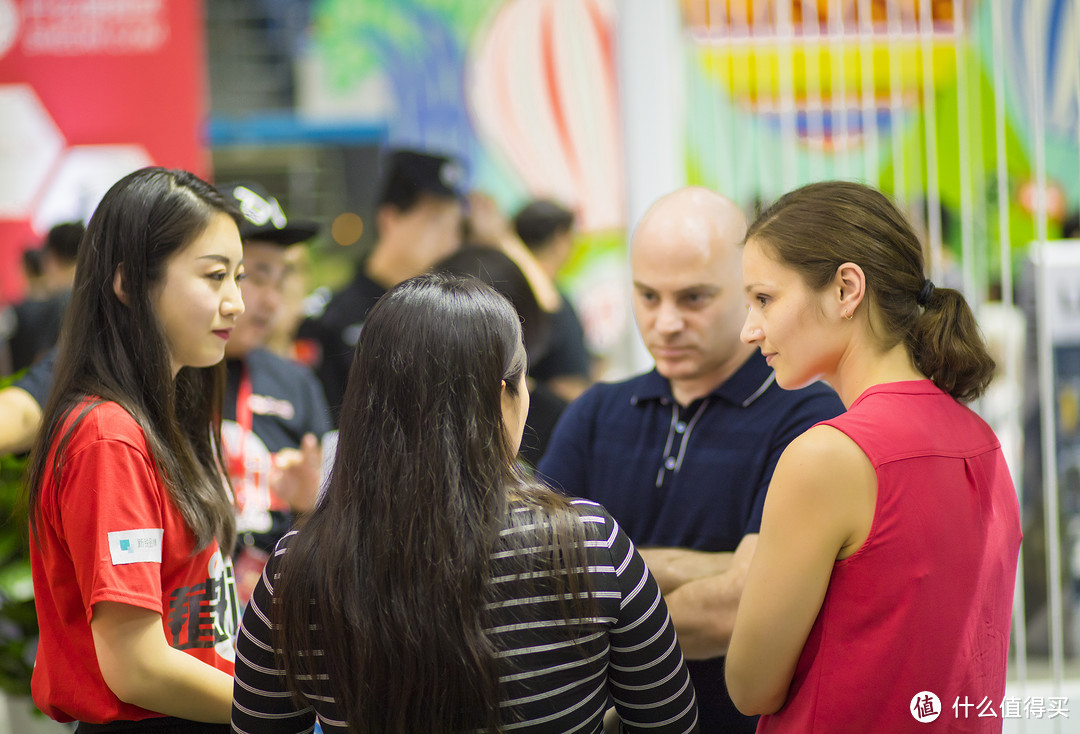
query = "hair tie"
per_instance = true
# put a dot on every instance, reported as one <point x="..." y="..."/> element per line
<point x="925" y="293"/>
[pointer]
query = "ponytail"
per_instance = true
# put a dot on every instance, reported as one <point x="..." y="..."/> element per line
<point x="947" y="347"/>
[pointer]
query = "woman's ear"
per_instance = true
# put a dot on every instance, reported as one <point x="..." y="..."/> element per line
<point x="851" y="288"/>
<point x="118" y="284"/>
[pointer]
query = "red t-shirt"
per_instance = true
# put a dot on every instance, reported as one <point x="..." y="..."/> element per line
<point x="925" y="604"/>
<point x="111" y="533"/>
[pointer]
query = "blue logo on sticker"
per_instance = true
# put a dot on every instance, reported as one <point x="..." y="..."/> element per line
<point x="125" y="545"/>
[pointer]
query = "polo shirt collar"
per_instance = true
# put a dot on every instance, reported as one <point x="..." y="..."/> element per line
<point x="748" y="383"/>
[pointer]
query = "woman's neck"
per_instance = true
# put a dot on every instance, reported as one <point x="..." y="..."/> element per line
<point x="864" y="367"/>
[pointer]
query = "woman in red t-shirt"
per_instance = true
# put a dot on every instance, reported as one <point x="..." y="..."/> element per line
<point x="129" y="507"/>
<point x="880" y="591"/>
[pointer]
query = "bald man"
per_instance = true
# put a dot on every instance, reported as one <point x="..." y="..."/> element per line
<point x="682" y="455"/>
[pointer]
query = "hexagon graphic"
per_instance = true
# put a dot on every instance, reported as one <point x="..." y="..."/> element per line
<point x="9" y="26"/>
<point x="84" y="175"/>
<point x="30" y="143"/>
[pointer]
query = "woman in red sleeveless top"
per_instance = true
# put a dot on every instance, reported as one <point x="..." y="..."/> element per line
<point x="880" y="593"/>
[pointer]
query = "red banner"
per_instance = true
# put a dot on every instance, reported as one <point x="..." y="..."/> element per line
<point x="89" y="91"/>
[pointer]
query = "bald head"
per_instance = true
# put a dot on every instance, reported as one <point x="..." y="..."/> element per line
<point x="695" y="218"/>
<point x="688" y="297"/>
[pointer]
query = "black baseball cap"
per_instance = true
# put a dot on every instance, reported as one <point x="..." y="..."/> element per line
<point x="406" y="173"/>
<point x="263" y="219"/>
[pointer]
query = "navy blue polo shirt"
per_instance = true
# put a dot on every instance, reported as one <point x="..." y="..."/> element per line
<point x="685" y="476"/>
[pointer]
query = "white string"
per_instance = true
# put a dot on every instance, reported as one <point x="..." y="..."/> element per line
<point x="868" y="97"/>
<point x="896" y="109"/>
<point x="736" y="151"/>
<point x="1045" y="354"/>
<point x="967" y="220"/>
<point x="839" y="89"/>
<point x="755" y="88"/>
<point x="933" y="195"/>
<point x="718" y="41"/>
<point x="813" y="50"/>
<point x="740" y="66"/>
<point x="785" y="31"/>
<point x="998" y="35"/>
<point x="1003" y="198"/>
<point x="1075" y="50"/>
<point x="980" y="184"/>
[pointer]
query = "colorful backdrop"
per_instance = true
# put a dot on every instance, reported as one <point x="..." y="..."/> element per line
<point x="777" y="93"/>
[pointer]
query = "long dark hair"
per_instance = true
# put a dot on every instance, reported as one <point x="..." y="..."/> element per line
<point x="115" y="351"/>
<point x="389" y="575"/>
<point x="815" y="229"/>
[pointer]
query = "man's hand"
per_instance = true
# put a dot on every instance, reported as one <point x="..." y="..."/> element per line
<point x="22" y="420"/>
<point x="673" y="567"/>
<point x="703" y="608"/>
<point x="487" y="224"/>
<point x="490" y="227"/>
<point x="295" y="476"/>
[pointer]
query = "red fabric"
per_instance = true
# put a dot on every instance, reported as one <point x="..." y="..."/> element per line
<point x="129" y="74"/>
<point x="109" y="484"/>
<point x="926" y="603"/>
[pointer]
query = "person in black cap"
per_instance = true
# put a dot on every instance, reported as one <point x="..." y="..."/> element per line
<point x="275" y="413"/>
<point x="418" y="221"/>
<point x="267" y="236"/>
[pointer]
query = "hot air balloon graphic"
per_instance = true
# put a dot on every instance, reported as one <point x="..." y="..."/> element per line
<point x="542" y="94"/>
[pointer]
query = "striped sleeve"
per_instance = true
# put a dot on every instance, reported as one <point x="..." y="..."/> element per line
<point x="262" y="703"/>
<point x="647" y="676"/>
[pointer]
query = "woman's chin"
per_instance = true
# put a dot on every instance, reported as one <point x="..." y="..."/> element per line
<point x="791" y="381"/>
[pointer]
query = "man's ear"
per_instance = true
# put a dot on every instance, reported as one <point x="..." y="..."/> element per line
<point x="386" y="216"/>
<point x="118" y="284"/>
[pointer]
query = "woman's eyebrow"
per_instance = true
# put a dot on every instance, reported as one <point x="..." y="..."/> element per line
<point x="218" y="258"/>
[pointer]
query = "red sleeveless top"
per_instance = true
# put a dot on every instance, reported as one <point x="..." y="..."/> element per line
<point x="925" y="604"/>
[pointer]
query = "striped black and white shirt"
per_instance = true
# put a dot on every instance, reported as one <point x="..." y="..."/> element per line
<point x="626" y="656"/>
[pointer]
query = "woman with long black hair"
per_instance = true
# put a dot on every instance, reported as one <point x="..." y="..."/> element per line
<point x="435" y="588"/>
<point x="128" y="503"/>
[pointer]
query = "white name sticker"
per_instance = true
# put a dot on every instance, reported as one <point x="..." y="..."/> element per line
<point x="136" y="546"/>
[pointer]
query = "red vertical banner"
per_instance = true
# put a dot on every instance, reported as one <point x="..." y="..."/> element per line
<point x="89" y="91"/>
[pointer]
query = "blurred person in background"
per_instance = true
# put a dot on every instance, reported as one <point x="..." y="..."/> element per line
<point x="275" y="414"/>
<point x="498" y="270"/>
<point x="418" y="221"/>
<point x="32" y="327"/>
<point x="34" y="274"/>
<point x="282" y="339"/>
<point x="547" y="228"/>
